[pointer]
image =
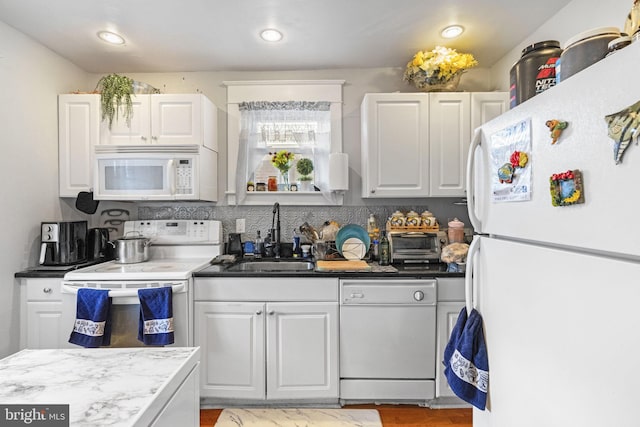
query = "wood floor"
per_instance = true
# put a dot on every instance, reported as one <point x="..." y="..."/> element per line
<point x="391" y="415"/>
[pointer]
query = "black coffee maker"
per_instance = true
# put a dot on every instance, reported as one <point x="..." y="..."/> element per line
<point x="234" y="246"/>
<point x="63" y="243"/>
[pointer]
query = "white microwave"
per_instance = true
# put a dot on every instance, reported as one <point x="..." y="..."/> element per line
<point x="133" y="172"/>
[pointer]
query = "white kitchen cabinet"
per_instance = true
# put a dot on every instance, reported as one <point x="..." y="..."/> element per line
<point x="78" y="132"/>
<point x="450" y="303"/>
<point x="165" y="119"/>
<point x="41" y="314"/>
<point x="267" y="338"/>
<point x="416" y="144"/>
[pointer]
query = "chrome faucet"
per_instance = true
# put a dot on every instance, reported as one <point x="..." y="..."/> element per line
<point x="275" y="231"/>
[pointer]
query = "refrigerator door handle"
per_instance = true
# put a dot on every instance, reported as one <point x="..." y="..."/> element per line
<point x="474" y="248"/>
<point x="475" y="143"/>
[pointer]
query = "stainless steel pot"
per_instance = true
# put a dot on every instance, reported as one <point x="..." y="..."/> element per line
<point x="131" y="249"/>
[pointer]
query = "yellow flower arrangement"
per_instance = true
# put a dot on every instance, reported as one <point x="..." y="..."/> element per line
<point x="282" y="160"/>
<point x="437" y="66"/>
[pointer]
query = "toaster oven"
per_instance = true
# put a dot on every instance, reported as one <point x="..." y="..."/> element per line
<point x="416" y="246"/>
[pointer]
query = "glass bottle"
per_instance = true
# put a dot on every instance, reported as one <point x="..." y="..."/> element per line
<point x="259" y="246"/>
<point x="372" y="227"/>
<point x="385" y="256"/>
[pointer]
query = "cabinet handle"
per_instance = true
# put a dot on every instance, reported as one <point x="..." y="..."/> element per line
<point x="259" y="312"/>
<point x="144" y="138"/>
<point x="373" y="191"/>
<point x="47" y="290"/>
<point x="155" y="138"/>
<point x="271" y="313"/>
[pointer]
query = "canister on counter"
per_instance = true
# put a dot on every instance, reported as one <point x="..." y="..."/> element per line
<point x="534" y="72"/>
<point x="455" y="233"/>
<point x="585" y="49"/>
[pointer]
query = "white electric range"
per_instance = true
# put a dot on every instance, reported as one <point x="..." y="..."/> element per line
<point x="178" y="248"/>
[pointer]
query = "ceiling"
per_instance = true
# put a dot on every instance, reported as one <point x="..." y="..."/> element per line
<point x="222" y="35"/>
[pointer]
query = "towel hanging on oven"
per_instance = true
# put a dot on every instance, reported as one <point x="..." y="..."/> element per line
<point x="465" y="359"/>
<point x="92" y="327"/>
<point x="156" y="316"/>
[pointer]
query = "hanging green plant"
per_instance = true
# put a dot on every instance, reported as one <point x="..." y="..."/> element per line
<point x="304" y="168"/>
<point x="115" y="93"/>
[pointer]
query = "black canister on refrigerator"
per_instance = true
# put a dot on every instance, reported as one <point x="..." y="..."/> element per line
<point x="534" y="72"/>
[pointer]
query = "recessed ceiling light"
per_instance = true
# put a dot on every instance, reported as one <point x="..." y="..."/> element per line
<point x="271" y="35"/>
<point x="110" y="37"/>
<point x="452" y="31"/>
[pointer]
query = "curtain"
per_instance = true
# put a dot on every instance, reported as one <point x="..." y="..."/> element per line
<point x="299" y="127"/>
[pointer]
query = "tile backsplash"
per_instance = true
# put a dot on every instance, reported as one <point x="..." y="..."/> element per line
<point x="291" y="217"/>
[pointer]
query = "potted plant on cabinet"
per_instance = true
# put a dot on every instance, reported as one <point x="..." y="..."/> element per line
<point x="115" y="94"/>
<point x="305" y="168"/>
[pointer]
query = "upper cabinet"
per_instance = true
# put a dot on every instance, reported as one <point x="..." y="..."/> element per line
<point x="300" y="122"/>
<point x="166" y="119"/>
<point x="416" y="144"/>
<point x="78" y="132"/>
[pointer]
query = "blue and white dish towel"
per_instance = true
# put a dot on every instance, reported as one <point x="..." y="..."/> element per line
<point x="92" y="327"/>
<point x="465" y="360"/>
<point x="156" y="316"/>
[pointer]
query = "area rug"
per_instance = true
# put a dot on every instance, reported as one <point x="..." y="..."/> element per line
<point x="291" y="417"/>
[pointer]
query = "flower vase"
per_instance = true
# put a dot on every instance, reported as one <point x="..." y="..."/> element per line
<point x="434" y="85"/>
<point x="283" y="184"/>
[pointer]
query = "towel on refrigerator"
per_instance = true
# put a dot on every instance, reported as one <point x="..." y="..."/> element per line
<point x="465" y="360"/>
<point x="156" y="316"/>
<point x="92" y="327"/>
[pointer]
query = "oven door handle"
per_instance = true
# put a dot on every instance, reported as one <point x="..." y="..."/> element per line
<point x="66" y="289"/>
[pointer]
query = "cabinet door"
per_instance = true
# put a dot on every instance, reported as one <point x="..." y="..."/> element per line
<point x="78" y="132"/>
<point x="449" y="139"/>
<point x="231" y="339"/>
<point x="137" y="133"/>
<point x="486" y="106"/>
<point x="302" y="350"/>
<point x="44" y="325"/>
<point x="447" y="315"/>
<point x="176" y="119"/>
<point x="395" y="145"/>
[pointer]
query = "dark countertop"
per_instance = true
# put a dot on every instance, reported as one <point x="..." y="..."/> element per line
<point x="47" y="271"/>
<point x="403" y="271"/>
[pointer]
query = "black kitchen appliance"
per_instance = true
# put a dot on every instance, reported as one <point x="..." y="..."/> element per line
<point x="63" y="242"/>
<point x="98" y="247"/>
<point x="416" y="246"/>
<point x="234" y="246"/>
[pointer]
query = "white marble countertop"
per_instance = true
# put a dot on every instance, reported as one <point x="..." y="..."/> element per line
<point x="103" y="386"/>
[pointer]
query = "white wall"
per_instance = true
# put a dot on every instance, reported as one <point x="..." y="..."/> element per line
<point x="576" y="17"/>
<point x="31" y="77"/>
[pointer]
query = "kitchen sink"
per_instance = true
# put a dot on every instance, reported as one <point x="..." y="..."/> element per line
<point x="267" y="266"/>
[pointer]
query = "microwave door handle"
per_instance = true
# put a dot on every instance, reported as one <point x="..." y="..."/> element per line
<point x="176" y="289"/>
<point x="172" y="176"/>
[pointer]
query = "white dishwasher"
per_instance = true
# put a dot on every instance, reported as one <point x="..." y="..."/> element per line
<point x="387" y="340"/>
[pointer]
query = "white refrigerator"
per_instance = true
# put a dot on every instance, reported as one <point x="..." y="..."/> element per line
<point x="558" y="287"/>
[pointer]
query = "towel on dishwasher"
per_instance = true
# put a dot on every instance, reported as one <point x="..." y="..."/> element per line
<point x="92" y="327"/>
<point x="156" y="316"/>
<point x="465" y="360"/>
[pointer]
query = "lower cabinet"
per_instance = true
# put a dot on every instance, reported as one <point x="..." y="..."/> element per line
<point x="450" y="303"/>
<point x="273" y="350"/>
<point x="41" y="313"/>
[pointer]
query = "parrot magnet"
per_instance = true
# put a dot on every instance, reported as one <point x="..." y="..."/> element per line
<point x="623" y="129"/>
<point x="566" y="188"/>
<point x="556" y="127"/>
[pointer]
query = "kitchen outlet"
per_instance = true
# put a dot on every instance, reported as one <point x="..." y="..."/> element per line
<point x="240" y="225"/>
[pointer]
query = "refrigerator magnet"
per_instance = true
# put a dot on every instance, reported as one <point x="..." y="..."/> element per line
<point x="566" y="188"/>
<point x="556" y="127"/>
<point x="623" y="128"/>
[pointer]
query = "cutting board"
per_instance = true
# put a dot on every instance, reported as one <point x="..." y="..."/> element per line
<point x="355" y="265"/>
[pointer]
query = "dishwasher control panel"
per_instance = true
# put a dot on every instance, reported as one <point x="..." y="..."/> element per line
<point x="386" y="292"/>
